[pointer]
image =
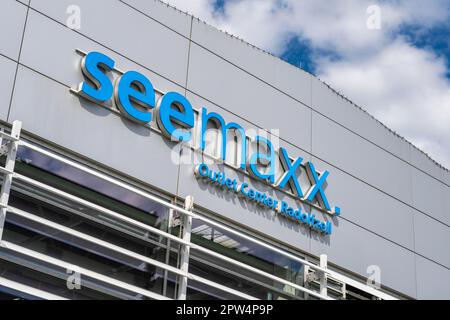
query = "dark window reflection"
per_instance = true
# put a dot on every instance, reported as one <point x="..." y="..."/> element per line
<point x="247" y="252"/>
<point x="44" y="282"/>
<point x="101" y="259"/>
<point x="77" y="182"/>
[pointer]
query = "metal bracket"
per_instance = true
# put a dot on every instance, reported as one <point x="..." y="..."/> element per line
<point x="185" y="250"/>
<point x="310" y="275"/>
<point x="322" y="275"/>
<point x="176" y="219"/>
<point x="4" y="149"/>
<point x="10" y="149"/>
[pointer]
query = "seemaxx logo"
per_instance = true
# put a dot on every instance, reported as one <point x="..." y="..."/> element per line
<point x="135" y="97"/>
<point x="263" y="199"/>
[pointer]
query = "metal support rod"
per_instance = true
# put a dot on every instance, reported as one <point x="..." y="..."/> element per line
<point x="167" y="256"/>
<point x="185" y="250"/>
<point x="332" y="274"/>
<point x="323" y="275"/>
<point x="12" y="145"/>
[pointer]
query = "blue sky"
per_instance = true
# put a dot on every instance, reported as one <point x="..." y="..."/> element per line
<point x="435" y="39"/>
<point x="299" y="53"/>
<point x="391" y="57"/>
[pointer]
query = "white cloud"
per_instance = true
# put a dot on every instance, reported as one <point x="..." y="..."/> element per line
<point x="402" y="85"/>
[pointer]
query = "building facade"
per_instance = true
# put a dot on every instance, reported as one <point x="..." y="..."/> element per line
<point x="146" y="154"/>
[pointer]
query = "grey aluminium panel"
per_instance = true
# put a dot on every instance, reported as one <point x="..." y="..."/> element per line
<point x="368" y="207"/>
<point x="329" y="103"/>
<point x="7" y="72"/>
<point x="360" y="158"/>
<point x="232" y="207"/>
<point x="355" y="249"/>
<point x="447" y="204"/>
<point x="50" y="111"/>
<point x="128" y="32"/>
<point x="238" y="92"/>
<point x="429" y="196"/>
<point x="432" y="239"/>
<point x="12" y="21"/>
<point x="433" y="281"/>
<point x="280" y="74"/>
<point x="170" y="17"/>
<point x="446" y="177"/>
<point x="420" y="160"/>
<point x="49" y="48"/>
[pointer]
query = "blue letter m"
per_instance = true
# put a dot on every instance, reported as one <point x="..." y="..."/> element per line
<point x="223" y="129"/>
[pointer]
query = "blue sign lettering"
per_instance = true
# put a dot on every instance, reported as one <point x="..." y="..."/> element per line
<point x="94" y="67"/>
<point x="175" y="109"/>
<point x="143" y="95"/>
<point x="268" y="156"/>
<point x="220" y="122"/>
<point x="134" y="96"/>
<point x="289" y="175"/>
<point x="263" y="199"/>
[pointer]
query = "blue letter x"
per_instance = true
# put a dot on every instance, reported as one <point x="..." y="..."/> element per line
<point x="317" y="186"/>
<point x="289" y="174"/>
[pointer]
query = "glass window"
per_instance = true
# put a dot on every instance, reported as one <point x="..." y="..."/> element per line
<point x="106" y="261"/>
<point x="91" y="188"/>
<point x="249" y="253"/>
<point x="77" y="251"/>
<point x="86" y="254"/>
<point x="51" y="284"/>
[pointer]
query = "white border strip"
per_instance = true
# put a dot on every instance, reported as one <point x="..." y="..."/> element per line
<point x="98" y="208"/>
<point x="126" y="252"/>
<point x="91" y="274"/>
<point x="143" y="258"/>
<point x="96" y="241"/>
<point x="167" y="204"/>
<point x="16" y="286"/>
<point x="340" y="277"/>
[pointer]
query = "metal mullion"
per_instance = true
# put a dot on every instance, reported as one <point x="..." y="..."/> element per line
<point x="94" y="240"/>
<point x="185" y="250"/>
<point x="363" y="287"/>
<point x="4" y="170"/>
<point x="168" y="252"/>
<point x="117" y="182"/>
<point x="8" y="170"/>
<point x="258" y="271"/>
<point x="110" y="223"/>
<point x="8" y="137"/>
<point x="164" y="203"/>
<point x="105" y="177"/>
<point x="187" y="244"/>
<point x="99" y="287"/>
<point x="17" y="286"/>
<point x="99" y="208"/>
<point x="77" y="234"/>
<point x="234" y="273"/>
<point x="82" y="271"/>
<point x="258" y="242"/>
<point x="221" y="287"/>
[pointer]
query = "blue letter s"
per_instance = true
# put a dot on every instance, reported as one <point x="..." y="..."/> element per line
<point x="94" y="65"/>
